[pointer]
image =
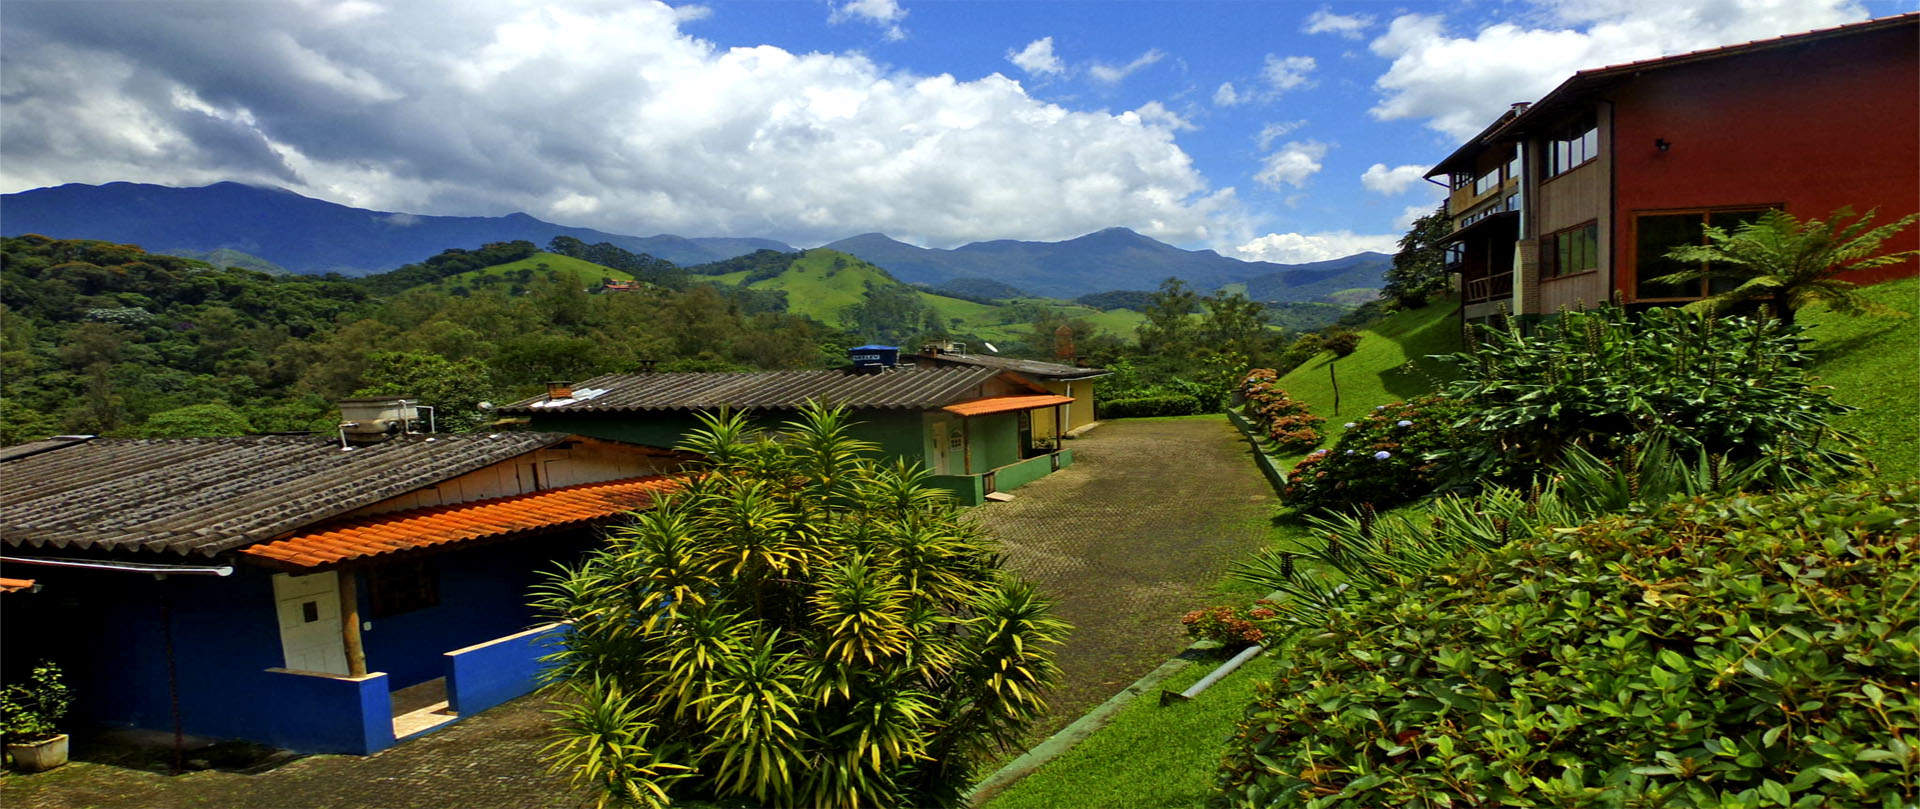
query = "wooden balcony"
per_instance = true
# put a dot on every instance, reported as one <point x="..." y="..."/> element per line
<point x="1496" y="287"/>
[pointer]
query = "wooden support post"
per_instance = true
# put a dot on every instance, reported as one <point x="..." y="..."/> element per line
<point x="966" y="445"/>
<point x="350" y="622"/>
<point x="1059" y="426"/>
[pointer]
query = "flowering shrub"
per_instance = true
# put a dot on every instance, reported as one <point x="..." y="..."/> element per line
<point x="1385" y="458"/>
<point x="1231" y="626"/>
<point x="1285" y="421"/>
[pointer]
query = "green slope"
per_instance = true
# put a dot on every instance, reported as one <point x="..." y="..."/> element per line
<point x="823" y="282"/>
<point x="1870" y="361"/>
<point x="586" y="272"/>
<point x="1379" y="371"/>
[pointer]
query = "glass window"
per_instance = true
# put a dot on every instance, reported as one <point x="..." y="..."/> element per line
<point x="1655" y="234"/>
<point x="400" y="587"/>
<point x="1573" y="145"/>
<point x="1570" y="251"/>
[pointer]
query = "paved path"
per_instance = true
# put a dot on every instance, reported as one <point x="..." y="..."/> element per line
<point x="1128" y="538"/>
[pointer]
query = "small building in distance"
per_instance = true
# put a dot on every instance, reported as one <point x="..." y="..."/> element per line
<point x="1072" y="381"/>
<point x="1576" y="198"/>
<point x="969" y="425"/>
<point x="320" y="593"/>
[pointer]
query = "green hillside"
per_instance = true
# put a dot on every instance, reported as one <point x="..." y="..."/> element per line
<point x="586" y="272"/>
<point x="1379" y="371"/>
<point x="1869" y="361"/>
<point x="822" y="283"/>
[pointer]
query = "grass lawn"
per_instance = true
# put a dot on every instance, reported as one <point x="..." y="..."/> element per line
<point x="1149" y="756"/>
<point x="586" y="272"/>
<point x="1390" y="365"/>
<point x="1873" y="363"/>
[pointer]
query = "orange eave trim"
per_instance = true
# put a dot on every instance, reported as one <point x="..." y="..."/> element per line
<point x="437" y="526"/>
<point x="15" y="585"/>
<point x="1006" y="404"/>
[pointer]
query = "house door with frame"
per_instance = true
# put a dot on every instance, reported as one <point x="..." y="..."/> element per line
<point x="308" y="608"/>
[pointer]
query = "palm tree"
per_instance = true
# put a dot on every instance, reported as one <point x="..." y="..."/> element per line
<point x="1790" y="263"/>
<point x="795" y="626"/>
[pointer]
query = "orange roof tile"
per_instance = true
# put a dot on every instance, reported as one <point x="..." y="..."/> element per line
<point x="1005" y="404"/>
<point x="15" y="585"/>
<point x="462" y="522"/>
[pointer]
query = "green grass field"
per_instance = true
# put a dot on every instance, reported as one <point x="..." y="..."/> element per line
<point x="1391" y="364"/>
<point x="818" y="289"/>
<point x="1873" y="363"/>
<point x="586" y="272"/>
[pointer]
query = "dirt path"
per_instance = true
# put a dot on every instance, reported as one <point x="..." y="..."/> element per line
<point x="1127" y="539"/>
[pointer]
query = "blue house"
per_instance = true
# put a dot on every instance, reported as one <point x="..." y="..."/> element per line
<point x="315" y="593"/>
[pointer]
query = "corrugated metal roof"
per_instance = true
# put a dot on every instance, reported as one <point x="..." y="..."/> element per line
<point x="1033" y="368"/>
<point x="444" y="525"/>
<point x="208" y="495"/>
<point x="45" y="445"/>
<point x="1005" y="404"/>
<point x="902" y="387"/>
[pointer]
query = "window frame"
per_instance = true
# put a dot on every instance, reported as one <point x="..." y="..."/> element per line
<point x="1632" y="278"/>
<point x="1551" y="267"/>
<point x="397" y="588"/>
<point x="1582" y="136"/>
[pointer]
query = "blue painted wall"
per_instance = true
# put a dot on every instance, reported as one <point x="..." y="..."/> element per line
<point x="483" y="596"/>
<point x="481" y="677"/>
<point x="104" y="630"/>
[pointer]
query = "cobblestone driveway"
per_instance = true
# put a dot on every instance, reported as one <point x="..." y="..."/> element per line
<point x="1126" y="539"/>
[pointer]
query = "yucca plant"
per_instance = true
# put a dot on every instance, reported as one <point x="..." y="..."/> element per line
<point x="802" y="627"/>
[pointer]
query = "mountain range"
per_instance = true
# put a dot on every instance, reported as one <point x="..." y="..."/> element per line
<point x="307" y="235"/>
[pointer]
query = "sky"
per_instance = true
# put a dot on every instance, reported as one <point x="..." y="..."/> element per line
<point x="1264" y="129"/>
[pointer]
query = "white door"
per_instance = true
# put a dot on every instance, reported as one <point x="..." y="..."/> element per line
<point x="309" y="611"/>
<point x="940" y="447"/>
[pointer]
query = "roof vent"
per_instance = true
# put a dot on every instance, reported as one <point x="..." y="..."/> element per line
<point x="873" y="359"/>
<point x="376" y="418"/>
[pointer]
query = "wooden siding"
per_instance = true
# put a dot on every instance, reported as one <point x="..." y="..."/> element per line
<point x="1583" y="291"/>
<point x="585" y="462"/>
<point x="1573" y="198"/>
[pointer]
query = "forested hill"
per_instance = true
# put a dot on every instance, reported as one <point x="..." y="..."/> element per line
<point x="108" y="339"/>
<point x="303" y="234"/>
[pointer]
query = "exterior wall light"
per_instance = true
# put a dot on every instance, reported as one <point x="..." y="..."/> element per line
<point x="1661" y="144"/>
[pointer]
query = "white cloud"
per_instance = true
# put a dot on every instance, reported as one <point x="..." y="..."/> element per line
<point x="1110" y="74"/>
<point x="475" y="107"/>
<point x="1301" y="248"/>
<point x="1404" y="222"/>
<point x="691" y="13"/>
<point x="1352" y="26"/>
<point x="1226" y="96"/>
<point x="886" y="14"/>
<point x="1038" y="58"/>
<point x="1292" y="164"/>
<point x="1460" y="83"/>
<point x="1277" y="130"/>
<point x="1392" y="181"/>
<point x="1287" y="73"/>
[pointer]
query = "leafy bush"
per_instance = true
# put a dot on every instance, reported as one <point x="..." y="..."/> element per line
<point x="1145" y="406"/>
<point x="796" y="625"/>
<point x="1284" y="420"/>
<point x="31" y="711"/>
<point x="1229" y="626"/>
<point x="1385" y="457"/>
<point x="1746" y="651"/>
<point x="1603" y="380"/>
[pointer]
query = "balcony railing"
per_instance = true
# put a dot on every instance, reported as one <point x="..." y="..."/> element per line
<point x="1496" y="287"/>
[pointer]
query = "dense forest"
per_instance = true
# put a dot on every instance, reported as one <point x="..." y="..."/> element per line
<point x="107" y="339"/>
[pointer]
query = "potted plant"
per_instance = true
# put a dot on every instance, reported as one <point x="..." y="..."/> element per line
<point x="32" y="714"/>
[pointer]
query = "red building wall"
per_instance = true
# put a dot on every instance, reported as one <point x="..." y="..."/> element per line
<point x="1810" y="127"/>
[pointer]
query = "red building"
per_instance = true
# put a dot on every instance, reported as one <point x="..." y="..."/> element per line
<point x="1577" y="197"/>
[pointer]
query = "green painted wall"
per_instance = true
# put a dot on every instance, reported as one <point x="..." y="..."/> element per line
<point x="994" y="440"/>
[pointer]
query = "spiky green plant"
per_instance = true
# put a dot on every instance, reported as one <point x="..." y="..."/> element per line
<point x="1790" y="263"/>
<point x="803" y="627"/>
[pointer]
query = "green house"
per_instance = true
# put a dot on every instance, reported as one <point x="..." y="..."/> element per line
<point x="970" y="426"/>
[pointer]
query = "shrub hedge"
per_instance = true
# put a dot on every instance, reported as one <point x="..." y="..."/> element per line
<point x="1283" y="419"/>
<point x="1749" y="651"/>
<point x="1145" y="406"/>
<point x="1385" y="458"/>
